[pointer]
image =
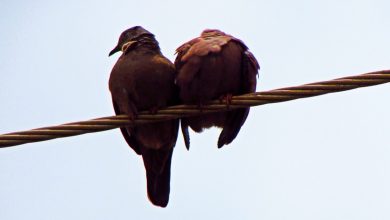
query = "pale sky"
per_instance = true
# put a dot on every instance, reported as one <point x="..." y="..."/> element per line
<point x="324" y="157"/>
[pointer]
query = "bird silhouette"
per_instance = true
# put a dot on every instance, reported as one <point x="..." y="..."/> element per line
<point x="215" y="65"/>
<point x="143" y="79"/>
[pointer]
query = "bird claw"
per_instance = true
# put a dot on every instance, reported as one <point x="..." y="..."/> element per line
<point x="153" y="110"/>
<point x="200" y="106"/>
<point x="132" y="118"/>
<point x="227" y="98"/>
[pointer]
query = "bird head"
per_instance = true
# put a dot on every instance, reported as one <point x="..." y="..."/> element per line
<point x="129" y="37"/>
<point x="212" y="33"/>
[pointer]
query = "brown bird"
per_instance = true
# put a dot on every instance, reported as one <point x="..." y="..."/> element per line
<point x="215" y="65"/>
<point x="143" y="79"/>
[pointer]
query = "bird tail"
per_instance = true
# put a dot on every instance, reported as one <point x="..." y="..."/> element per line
<point x="158" y="174"/>
<point x="234" y="120"/>
<point x="186" y="134"/>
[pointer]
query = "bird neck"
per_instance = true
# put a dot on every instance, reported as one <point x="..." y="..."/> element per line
<point x="148" y="42"/>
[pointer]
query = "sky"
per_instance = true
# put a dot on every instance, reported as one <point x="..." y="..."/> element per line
<point x="324" y="157"/>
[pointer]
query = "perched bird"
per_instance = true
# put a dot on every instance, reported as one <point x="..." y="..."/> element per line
<point x="215" y="65"/>
<point x="143" y="79"/>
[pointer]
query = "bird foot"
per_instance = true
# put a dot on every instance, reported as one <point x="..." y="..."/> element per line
<point x="132" y="118"/>
<point x="153" y="110"/>
<point x="200" y="107"/>
<point x="227" y="98"/>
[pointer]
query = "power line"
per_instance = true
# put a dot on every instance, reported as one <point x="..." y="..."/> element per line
<point x="179" y="111"/>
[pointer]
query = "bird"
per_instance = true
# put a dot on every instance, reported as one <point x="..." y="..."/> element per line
<point x="215" y="65"/>
<point x="144" y="79"/>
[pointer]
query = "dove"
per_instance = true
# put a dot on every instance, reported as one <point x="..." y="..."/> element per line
<point x="215" y="66"/>
<point x="143" y="79"/>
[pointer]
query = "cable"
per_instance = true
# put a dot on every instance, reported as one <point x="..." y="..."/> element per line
<point x="179" y="111"/>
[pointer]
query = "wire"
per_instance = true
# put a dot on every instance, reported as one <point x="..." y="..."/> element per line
<point x="179" y="111"/>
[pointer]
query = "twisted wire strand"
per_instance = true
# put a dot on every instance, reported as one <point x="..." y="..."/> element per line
<point x="179" y="111"/>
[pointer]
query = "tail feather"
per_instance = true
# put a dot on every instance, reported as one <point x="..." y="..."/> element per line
<point x="186" y="134"/>
<point x="158" y="174"/>
<point x="235" y="119"/>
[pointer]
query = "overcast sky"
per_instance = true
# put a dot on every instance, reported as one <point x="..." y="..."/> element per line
<point x="325" y="157"/>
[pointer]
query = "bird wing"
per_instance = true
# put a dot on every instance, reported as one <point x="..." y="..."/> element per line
<point x="249" y="72"/>
<point x="201" y="47"/>
<point x="250" y="68"/>
<point x="131" y="141"/>
<point x="235" y="119"/>
<point x="181" y="51"/>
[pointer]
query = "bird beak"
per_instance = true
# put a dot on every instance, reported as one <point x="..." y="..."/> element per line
<point x="125" y="46"/>
<point x="116" y="49"/>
